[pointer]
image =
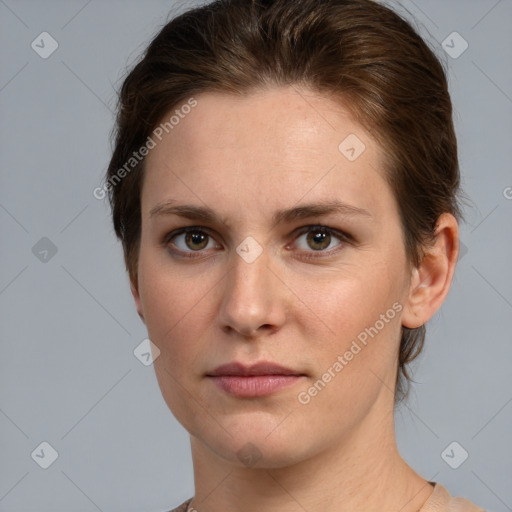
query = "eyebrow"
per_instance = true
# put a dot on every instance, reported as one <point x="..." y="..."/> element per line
<point x="206" y="214"/>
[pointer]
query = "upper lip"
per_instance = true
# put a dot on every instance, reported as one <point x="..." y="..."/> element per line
<point x="261" y="368"/>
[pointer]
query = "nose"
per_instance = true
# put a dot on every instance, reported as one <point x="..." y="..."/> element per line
<point x="254" y="298"/>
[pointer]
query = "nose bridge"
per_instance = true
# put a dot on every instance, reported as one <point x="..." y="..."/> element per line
<point x="251" y="299"/>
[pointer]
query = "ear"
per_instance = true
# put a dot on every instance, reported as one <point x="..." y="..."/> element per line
<point x="431" y="279"/>
<point x="134" y="287"/>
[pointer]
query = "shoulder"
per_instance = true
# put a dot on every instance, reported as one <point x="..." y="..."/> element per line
<point x="441" y="501"/>
<point x="183" y="507"/>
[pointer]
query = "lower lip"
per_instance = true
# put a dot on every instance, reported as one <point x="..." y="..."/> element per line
<point x="255" y="385"/>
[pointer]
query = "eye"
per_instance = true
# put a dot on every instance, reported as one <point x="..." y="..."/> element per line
<point x="313" y="241"/>
<point x="190" y="240"/>
<point x="319" y="239"/>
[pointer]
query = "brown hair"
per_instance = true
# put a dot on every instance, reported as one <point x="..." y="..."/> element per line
<point x="356" y="50"/>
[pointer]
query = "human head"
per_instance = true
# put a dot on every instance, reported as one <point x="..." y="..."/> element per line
<point x="357" y="51"/>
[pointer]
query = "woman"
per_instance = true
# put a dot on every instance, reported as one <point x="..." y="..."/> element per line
<point x="284" y="183"/>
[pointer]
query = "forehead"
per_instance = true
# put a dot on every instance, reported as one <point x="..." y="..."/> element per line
<point x="269" y="147"/>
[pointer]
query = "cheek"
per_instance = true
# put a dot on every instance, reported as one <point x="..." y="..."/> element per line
<point x="359" y="353"/>
<point x="347" y="302"/>
<point x="359" y="312"/>
<point x="173" y="305"/>
<point x="175" y="316"/>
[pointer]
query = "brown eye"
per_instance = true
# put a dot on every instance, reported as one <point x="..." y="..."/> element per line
<point x="189" y="241"/>
<point x="318" y="239"/>
<point x="196" y="240"/>
<point x="321" y="241"/>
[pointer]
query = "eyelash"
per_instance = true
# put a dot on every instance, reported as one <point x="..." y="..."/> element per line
<point x="344" y="238"/>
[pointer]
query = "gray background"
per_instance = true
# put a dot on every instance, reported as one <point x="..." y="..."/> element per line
<point x="68" y="375"/>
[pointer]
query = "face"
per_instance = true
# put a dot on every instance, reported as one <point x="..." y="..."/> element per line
<point x="269" y="236"/>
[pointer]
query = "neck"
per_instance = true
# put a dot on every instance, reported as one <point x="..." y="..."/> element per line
<point x="363" y="471"/>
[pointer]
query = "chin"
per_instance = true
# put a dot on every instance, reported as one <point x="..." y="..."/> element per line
<point x="256" y="453"/>
<point x="257" y="441"/>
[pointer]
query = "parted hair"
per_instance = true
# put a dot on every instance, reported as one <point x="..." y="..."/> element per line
<point x="358" y="51"/>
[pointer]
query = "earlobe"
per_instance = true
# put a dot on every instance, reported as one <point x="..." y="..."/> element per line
<point x="432" y="278"/>
<point x="136" y="298"/>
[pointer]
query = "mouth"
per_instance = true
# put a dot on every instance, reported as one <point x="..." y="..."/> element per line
<point x="260" y="379"/>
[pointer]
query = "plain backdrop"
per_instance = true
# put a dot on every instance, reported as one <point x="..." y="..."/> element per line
<point x="68" y="373"/>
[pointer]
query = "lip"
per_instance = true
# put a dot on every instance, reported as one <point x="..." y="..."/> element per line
<point x="262" y="368"/>
<point x="260" y="379"/>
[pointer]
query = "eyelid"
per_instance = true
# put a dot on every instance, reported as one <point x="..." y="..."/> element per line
<point x="311" y="227"/>
<point x="180" y="231"/>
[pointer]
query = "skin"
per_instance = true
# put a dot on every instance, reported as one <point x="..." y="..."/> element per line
<point x="246" y="157"/>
